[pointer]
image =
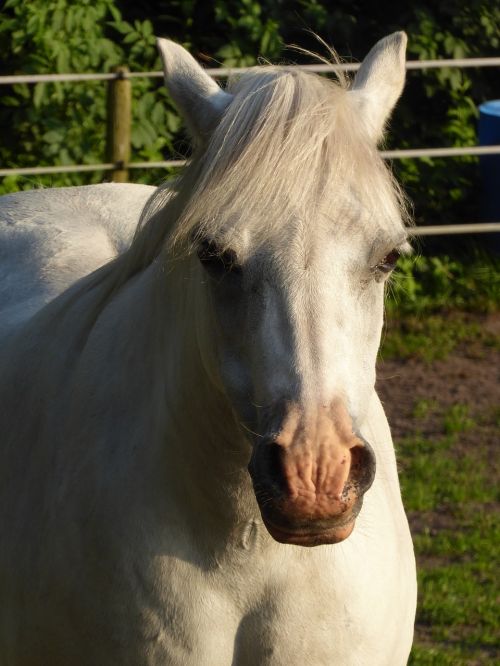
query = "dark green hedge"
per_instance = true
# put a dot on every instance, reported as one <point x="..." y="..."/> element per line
<point x="50" y="124"/>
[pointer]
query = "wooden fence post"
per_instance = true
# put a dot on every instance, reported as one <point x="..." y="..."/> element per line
<point x="119" y="122"/>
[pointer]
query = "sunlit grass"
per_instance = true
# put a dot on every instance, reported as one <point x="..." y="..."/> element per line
<point x="450" y="498"/>
<point x="432" y="337"/>
<point x="449" y="483"/>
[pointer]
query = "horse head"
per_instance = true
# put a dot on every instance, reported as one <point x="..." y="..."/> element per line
<point x="294" y="224"/>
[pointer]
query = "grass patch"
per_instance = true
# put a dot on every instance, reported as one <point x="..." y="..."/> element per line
<point x="448" y="656"/>
<point x="450" y="499"/>
<point x="433" y="476"/>
<point x="433" y="337"/>
<point x="457" y="420"/>
<point x="424" y="407"/>
<point x="457" y="612"/>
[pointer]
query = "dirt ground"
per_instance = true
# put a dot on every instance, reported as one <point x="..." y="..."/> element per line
<point x="418" y="395"/>
<point x="470" y="376"/>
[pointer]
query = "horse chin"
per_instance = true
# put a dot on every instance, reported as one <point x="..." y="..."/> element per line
<point x="311" y="537"/>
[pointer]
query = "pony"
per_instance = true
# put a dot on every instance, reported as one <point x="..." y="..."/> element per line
<point x="195" y="468"/>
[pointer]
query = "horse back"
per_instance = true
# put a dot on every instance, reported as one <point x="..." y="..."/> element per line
<point x="51" y="238"/>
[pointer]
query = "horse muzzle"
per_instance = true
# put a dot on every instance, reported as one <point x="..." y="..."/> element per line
<point x="310" y="478"/>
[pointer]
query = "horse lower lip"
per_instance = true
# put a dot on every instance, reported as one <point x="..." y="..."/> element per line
<point x="313" y="534"/>
<point x="311" y="528"/>
<point x="311" y="537"/>
<point x="283" y="522"/>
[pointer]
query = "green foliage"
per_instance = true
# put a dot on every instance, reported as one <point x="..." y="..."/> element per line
<point x="427" y="284"/>
<point x="444" y="107"/>
<point x="247" y="27"/>
<point x="65" y="123"/>
<point x="57" y="123"/>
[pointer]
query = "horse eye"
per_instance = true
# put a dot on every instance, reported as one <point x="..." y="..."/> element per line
<point x="389" y="262"/>
<point x="218" y="262"/>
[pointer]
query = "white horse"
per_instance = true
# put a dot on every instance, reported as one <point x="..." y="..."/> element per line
<point x="179" y="423"/>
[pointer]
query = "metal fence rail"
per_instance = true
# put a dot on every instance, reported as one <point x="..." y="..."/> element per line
<point x="224" y="72"/>
<point x="413" y="153"/>
<point x="122" y="77"/>
<point x="454" y="229"/>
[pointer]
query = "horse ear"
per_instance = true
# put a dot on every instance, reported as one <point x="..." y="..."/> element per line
<point x="197" y="96"/>
<point x="379" y="82"/>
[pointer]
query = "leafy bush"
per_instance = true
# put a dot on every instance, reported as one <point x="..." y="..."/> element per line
<point x="426" y="284"/>
<point x="64" y="123"/>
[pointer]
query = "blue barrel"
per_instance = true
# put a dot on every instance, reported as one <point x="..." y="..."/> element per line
<point x="489" y="134"/>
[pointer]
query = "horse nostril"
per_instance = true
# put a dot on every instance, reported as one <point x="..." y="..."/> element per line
<point x="362" y="472"/>
<point x="266" y="466"/>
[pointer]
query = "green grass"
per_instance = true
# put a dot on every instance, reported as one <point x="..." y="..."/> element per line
<point x="448" y="481"/>
<point x="432" y="337"/>
<point x="449" y="497"/>
<point x="457" y="419"/>
<point x="434" y="476"/>
<point x="424" y="407"/>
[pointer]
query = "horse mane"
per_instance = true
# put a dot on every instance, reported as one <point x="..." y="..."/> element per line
<point x="290" y="145"/>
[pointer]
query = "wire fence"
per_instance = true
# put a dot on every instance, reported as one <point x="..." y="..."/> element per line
<point x="121" y="166"/>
